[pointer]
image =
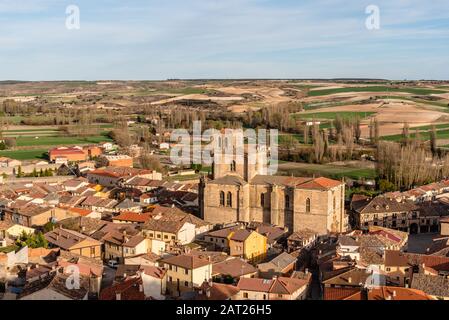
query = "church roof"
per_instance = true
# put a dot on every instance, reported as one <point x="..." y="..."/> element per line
<point x="233" y="180"/>
<point x="297" y="182"/>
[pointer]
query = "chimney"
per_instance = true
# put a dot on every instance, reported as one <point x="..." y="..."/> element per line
<point x="118" y="296"/>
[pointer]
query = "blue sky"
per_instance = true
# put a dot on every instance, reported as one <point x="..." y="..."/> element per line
<point x="160" y="39"/>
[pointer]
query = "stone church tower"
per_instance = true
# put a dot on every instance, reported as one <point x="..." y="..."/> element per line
<point x="245" y="193"/>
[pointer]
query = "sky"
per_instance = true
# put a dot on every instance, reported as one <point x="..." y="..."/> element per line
<point x="193" y="39"/>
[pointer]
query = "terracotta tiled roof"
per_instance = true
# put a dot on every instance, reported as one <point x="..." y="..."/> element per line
<point x="66" y="239"/>
<point x="241" y="235"/>
<point x="217" y="291"/>
<point x="80" y="211"/>
<point x="381" y="204"/>
<point x="129" y="289"/>
<point x="186" y="261"/>
<point x="233" y="267"/>
<point x="280" y="285"/>
<point x="339" y="293"/>
<point x="222" y="233"/>
<point x="154" y="272"/>
<point x="132" y="217"/>
<point x="255" y="284"/>
<point x="396" y="293"/>
<point x="432" y="285"/>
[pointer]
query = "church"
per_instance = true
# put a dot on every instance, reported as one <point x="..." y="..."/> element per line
<point x="245" y="193"/>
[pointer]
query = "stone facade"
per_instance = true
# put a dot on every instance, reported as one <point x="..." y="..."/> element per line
<point x="244" y="194"/>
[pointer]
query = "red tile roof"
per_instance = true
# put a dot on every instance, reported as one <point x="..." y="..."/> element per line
<point x="81" y="212"/>
<point x="339" y="293"/>
<point x="129" y="289"/>
<point x="132" y="217"/>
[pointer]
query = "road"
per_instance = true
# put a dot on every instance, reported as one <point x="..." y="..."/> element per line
<point x="108" y="277"/>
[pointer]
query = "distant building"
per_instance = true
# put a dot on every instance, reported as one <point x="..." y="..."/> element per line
<point x="65" y="154"/>
<point x="9" y="163"/>
<point x="164" y="146"/>
<point x="73" y="154"/>
<point x="403" y="215"/>
<point x="185" y="273"/>
<point x="281" y="288"/>
<point x="118" y="160"/>
<point x="74" y="242"/>
<point x="116" y="176"/>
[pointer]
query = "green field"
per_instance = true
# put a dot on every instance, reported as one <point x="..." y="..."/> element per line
<point x="331" y="171"/>
<point x="12" y="120"/>
<point x="418" y="91"/>
<point x="31" y="130"/>
<point x="441" y="104"/>
<point x="287" y="137"/>
<point x="441" y="134"/>
<point x="437" y="126"/>
<point x="58" y="140"/>
<point x="333" y="115"/>
<point x="25" y="154"/>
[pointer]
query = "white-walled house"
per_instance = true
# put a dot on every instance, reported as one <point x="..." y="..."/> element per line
<point x="154" y="282"/>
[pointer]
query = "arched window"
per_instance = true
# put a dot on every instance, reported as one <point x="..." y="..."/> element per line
<point x="287" y="201"/>
<point x="307" y="205"/>
<point x="233" y="166"/>
<point x="262" y="200"/>
<point x="222" y="198"/>
<point x="229" y="199"/>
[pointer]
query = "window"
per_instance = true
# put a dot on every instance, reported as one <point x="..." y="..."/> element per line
<point x="158" y="236"/>
<point x="151" y="235"/>
<point x="262" y="200"/>
<point x="222" y="241"/>
<point x="165" y="236"/>
<point x="92" y="251"/>
<point x="222" y="198"/>
<point x="287" y="201"/>
<point x="173" y="237"/>
<point x="233" y="166"/>
<point x="229" y="199"/>
<point x="186" y="284"/>
<point x="388" y="269"/>
<point x="307" y="205"/>
<point x="245" y="295"/>
<point x="335" y="204"/>
<point x="186" y="271"/>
